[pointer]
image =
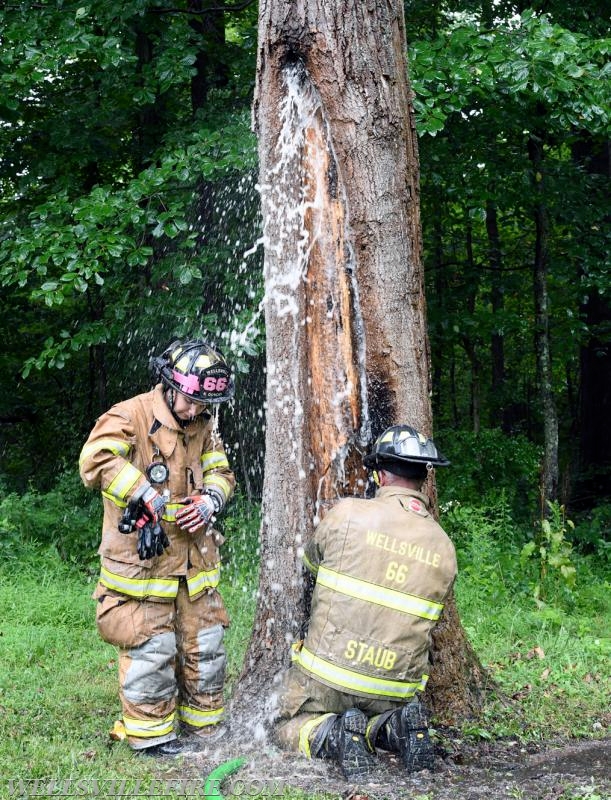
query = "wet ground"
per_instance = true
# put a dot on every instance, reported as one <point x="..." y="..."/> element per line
<point x="465" y="771"/>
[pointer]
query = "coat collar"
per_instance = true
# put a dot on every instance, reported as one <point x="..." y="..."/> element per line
<point x="162" y="413"/>
<point x="403" y="491"/>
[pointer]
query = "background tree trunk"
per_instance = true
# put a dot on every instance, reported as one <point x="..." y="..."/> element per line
<point x="347" y="346"/>
<point x="549" y="470"/>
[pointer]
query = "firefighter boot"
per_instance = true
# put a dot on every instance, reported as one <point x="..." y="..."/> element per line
<point x="172" y="748"/>
<point x="346" y="744"/>
<point x="406" y="732"/>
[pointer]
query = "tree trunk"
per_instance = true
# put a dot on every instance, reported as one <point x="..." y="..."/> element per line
<point x="347" y="347"/>
<point x="497" y="341"/>
<point x="469" y="338"/>
<point x="208" y="22"/>
<point x="549" y="471"/>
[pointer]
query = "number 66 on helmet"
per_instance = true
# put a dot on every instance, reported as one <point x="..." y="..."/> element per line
<point x="196" y="370"/>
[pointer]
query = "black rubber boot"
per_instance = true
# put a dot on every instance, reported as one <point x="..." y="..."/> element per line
<point x="346" y="744"/>
<point x="172" y="748"/>
<point x="406" y="732"/>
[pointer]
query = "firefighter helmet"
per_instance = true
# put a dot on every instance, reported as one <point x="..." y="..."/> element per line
<point x="196" y="370"/>
<point x="402" y="444"/>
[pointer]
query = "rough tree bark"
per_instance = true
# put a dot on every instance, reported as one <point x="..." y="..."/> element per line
<point x="347" y="346"/>
<point x="549" y="469"/>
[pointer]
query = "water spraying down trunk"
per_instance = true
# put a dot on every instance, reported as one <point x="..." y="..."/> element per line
<point x="346" y="339"/>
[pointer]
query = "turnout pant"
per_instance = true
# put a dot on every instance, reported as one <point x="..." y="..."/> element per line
<point x="305" y="704"/>
<point x="171" y="661"/>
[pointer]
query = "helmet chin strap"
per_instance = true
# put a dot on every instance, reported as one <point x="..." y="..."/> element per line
<point x="170" y="400"/>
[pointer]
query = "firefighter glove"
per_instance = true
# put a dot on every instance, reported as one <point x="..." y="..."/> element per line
<point x="152" y="540"/>
<point x="152" y="502"/>
<point x="198" y="513"/>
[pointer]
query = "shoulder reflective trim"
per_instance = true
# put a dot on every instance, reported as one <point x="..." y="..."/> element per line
<point x="116" y="446"/>
<point x="149" y="728"/>
<point x="207" y="579"/>
<point x="305" y="733"/>
<point x="216" y="479"/>
<point x="123" y="481"/>
<point x="200" y="719"/>
<point x="309" y="566"/>
<point x="214" y="460"/>
<point x="380" y="595"/>
<point x="347" y="679"/>
<point x="134" y="587"/>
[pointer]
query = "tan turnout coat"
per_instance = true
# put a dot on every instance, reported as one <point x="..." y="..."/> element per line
<point x="124" y="441"/>
<point x="383" y="569"/>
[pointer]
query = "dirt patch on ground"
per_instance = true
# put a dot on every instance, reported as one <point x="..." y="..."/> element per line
<point x="465" y="771"/>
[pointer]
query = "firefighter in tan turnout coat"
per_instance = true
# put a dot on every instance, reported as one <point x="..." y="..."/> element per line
<point x="383" y="568"/>
<point x="158" y="459"/>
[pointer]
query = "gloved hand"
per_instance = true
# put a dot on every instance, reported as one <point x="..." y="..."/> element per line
<point x="198" y="513"/>
<point x="152" y="501"/>
<point x="152" y="540"/>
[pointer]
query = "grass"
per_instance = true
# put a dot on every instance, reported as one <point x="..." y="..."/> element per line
<point x="58" y="680"/>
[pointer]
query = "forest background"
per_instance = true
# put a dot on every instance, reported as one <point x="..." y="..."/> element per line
<point x="129" y="215"/>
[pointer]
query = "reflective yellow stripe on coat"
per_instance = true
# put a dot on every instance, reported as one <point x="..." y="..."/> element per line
<point x="214" y="460"/>
<point x="116" y="446"/>
<point x="166" y="588"/>
<point x="206" y="579"/>
<point x="136" y="587"/>
<point x="380" y="595"/>
<point x="352" y="681"/>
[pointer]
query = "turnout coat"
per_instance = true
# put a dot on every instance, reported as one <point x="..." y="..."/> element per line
<point x="124" y="442"/>
<point x="383" y="568"/>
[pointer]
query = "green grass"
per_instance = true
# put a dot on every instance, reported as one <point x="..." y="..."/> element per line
<point x="58" y="680"/>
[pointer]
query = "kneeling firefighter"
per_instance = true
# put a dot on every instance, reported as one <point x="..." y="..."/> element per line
<point x="160" y="464"/>
<point x="382" y="569"/>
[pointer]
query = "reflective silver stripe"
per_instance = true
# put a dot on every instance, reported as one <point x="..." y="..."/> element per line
<point x="207" y="579"/>
<point x="199" y="719"/>
<point x="380" y="595"/>
<point x="123" y="481"/>
<point x="214" y="460"/>
<point x="215" y="479"/>
<point x="355" y="681"/>
<point x="135" y="587"/>
<point x="116" y="446"/>
<point x="149" y="728"/>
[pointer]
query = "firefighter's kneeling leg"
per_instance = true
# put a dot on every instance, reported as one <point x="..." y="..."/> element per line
<point x="200" y="628"/>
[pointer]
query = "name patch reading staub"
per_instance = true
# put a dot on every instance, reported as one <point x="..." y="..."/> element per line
<point x="393" y="545"/>
<point x="365" y="653"/>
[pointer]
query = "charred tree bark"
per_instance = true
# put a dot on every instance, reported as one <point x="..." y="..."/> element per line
<point x="347" y="346"/>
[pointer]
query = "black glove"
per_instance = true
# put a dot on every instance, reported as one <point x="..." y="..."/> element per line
<point x="152" y="540"/>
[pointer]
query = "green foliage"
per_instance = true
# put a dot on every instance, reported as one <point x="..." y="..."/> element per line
<point x="67" y="517"/>
<point x="525" y="61"/>
<point x="592" y="532"/>
<point x="489" y="469"/>
<point x="240" y="527"/>
<point x="549" y="660"/>
<point x="552" y="550"/>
